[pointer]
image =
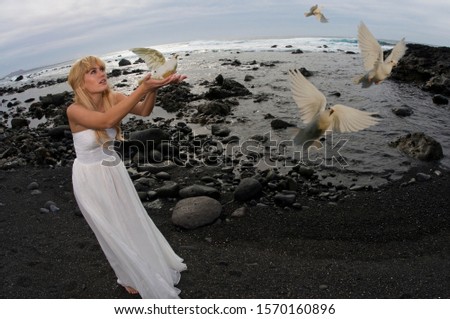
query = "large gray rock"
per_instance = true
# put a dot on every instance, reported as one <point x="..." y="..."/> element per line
<point x="169" y="189"/>
<point x="420" y="146"/>
<point x="440" y="99"/>
<point x="17" y="123"/>
<point x="403" y="110"/>
<point x="247" y="189"/>
<point x="215" y="108"/>
<point x="149" y="138"/>
<point x="194" y="212"/>
<point x="226" y="88"/>
<point x="59" y="131"/>
<point x="220" y="130"/>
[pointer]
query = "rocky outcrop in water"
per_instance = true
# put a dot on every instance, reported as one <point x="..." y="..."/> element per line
<point x="224" y="88"/>
<point x="426" y="66"/>
<point x="420" y="146"/>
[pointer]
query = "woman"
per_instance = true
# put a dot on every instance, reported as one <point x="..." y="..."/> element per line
<point x="140" y="256"/>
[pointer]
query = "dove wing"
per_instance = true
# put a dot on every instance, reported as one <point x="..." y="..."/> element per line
<point x="311" y="11"/>
<point x="369" y="46"/>
<point x="322" y="18"/>
<point x="307" y="97"/>
<point x="153" y="58"/>
<point x="397" y="52"/>
<point x="348" y="119"/>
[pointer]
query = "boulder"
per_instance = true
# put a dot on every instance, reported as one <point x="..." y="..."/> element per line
<point x="214" y="108"/>
<point x="220" y="130"/>
<point x="17" y="123"/>
<point x="194" y="212"/>
<point x="277" y="124"/>
<point x="420" y="146"/>
<point x="226" y="88"/>
<point x="402" y="111"/>
<point x="247" y="189"/>
<point x="169" y="189"/>
<point x="440" y="99"/>
<point x="59" y="132"/>
<point x="124" y="62"/>
<point x="149" y="138"/>
<point x="55" y="99"/>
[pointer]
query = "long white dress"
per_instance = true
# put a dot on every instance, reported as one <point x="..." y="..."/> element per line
<point x="138" y="253"/>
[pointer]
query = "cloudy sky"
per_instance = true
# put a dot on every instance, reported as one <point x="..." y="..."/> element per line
<point x="35" y="33"/>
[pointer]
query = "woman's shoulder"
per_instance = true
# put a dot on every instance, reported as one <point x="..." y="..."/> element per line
<point x="73" y="107"/>
<point x="118" y="96"/>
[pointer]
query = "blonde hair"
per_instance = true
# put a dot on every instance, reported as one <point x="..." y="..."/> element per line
<point x="76" y="81"/>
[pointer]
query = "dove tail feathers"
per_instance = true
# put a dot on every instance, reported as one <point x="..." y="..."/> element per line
<point x="303" y="139"/>
<point x="363" y="80"/>
<point x="357" y="79"/>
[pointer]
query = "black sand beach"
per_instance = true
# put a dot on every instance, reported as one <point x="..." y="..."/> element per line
<point x="363" y="240"/>
<point x="393" y="243"/>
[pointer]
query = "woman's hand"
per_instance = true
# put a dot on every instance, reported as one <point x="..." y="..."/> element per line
<point x="152" y="85"/>
<point x="177" y="78"/>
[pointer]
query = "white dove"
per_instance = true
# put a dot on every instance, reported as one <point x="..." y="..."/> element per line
<point x="377" y="68"/>
<point x="318" y="118"/>
<point x="157" y="63"/>
<point x="316" y="11"/>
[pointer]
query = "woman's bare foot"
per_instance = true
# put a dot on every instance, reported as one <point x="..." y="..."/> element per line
<point x="131" y="290"/>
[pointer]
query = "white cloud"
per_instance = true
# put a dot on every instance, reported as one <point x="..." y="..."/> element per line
<point x="30" y="27"/>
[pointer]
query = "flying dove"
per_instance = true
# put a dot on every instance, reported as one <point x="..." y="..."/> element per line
<point x="319" y="118"/>
<point x="377" y="68"/>
<point x="316" y="11"/>
<point x="157" y="63"/>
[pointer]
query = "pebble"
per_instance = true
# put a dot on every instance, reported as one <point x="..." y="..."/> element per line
<point x="32" y="186"/>
<point x="199" y="190"/>
<point x="50" y="205"/>
<point x="421" y="177"/>
<point x="283" y="199"/>
<point x="155" y="204"/>
<point x="240" y="212"/>
<point x="357" y="188"/>
<point x="151" y="195"/>
<point x="163" y="175"/>
<point x="332" y="204"/>
<point x="208" y="179"/>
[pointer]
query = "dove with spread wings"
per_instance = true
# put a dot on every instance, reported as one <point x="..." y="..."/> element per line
<point x="160" y="67"/>
<point x="318" y="117"/>
<point x="377" y="68"/>
<point x="317" y="12"/>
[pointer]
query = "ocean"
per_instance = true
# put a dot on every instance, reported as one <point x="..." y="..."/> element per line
<point x="314" y="44"/>
<point x="366" y="154"/>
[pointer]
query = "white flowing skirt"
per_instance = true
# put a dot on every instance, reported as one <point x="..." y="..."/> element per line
<point x="138" y="253"/>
